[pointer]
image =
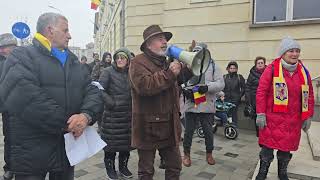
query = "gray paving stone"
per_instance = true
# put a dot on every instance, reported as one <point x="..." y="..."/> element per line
<point x="206" y="175"/>
<point x="91" y="169"/>
<point x="100" y="178"/>
<point x="297" y="176"/>
<point x="223" y="175"/>
<point x="79" y="173"/>
<point x="313" y="136"/>
<point x="238" y="177"/>
<point x="217" y="148"/>
<point x="228" y="168"/>
<point x="201" y="153"/>
<point x="239" y="145"/>
<point x="241" y="171"/>
<point x="100" y="165"/>
<point x="229" y="154"/>
<point x="219" y="161"/>
<point x="234" y="162"/>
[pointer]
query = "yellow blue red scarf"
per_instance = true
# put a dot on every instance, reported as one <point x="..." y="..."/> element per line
<point x="280" y="89"/>
<point x="198" y="98"/>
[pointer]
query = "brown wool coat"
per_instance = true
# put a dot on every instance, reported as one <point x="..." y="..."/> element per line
<point x="155" y="105"/>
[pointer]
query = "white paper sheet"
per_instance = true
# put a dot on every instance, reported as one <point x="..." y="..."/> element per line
<point x="85" y="146"/>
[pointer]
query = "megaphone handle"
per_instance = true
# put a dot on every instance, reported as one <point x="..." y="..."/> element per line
<point x="170" y="59"/>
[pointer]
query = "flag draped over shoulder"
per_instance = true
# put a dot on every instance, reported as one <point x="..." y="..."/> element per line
<point x="95" y="4"/>
<point x="198" y="98"/>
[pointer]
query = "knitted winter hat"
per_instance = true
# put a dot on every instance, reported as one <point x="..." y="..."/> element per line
<point x="126" y="52"/>
<point x="123" y="54"/>
<point x="286" y="44"/>
<point x="219" y="94"/>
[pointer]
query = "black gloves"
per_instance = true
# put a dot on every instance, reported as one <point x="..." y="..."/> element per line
<point x="188" y="94"/>
<point x="203" y="89"/>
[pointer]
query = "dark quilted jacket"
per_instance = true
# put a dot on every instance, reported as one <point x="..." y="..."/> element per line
<point x="116" y="120"/>
<point x="251" y="86"/>
<point x="40" y="95"/>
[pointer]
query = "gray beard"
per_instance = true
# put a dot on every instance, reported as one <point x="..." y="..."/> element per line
<point x="162" y="53"/>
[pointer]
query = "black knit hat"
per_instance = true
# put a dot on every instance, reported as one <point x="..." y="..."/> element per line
<point x="234" y="63"/>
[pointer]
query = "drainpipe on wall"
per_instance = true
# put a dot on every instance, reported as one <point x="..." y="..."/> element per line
<point x="122" y="23"/>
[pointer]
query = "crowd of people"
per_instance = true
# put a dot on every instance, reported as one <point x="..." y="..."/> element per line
<point x="46" y="91"/>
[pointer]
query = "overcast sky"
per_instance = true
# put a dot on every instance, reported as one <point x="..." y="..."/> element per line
<point x="78" y="13"/>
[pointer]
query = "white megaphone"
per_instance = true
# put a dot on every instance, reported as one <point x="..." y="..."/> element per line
<point x="199" y="61"/>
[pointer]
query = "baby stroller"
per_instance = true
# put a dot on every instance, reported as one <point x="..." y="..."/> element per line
<point x="230" y="130"/>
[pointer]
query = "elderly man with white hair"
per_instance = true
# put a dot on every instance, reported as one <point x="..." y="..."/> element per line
<point x="155" y="104"/>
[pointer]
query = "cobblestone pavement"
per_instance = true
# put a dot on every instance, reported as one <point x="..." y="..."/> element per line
<point x="235" y="160"/>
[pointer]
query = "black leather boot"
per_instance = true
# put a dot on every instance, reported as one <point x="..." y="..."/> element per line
<point x="283" y="161"/>
<point x="111" y="170"/>
<point x="266" y="157"/>
<point x="123" y="167"/>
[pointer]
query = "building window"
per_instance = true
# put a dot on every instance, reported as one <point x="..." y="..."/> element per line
<point x="306" y="9"/>
<point x="271" y="11"/>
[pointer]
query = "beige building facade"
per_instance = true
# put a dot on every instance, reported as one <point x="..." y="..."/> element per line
<point x="87" y="52"/>
<point x="233" y="29"/>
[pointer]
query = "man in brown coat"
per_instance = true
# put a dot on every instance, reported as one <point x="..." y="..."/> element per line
<point x="155" y="105"/>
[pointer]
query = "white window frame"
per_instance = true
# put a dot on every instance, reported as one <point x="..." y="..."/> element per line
<point x="289" y="14"/>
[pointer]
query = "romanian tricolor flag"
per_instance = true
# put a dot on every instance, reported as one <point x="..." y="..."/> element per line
<point x="95" y="4"/>
<point x="198" y="98"/>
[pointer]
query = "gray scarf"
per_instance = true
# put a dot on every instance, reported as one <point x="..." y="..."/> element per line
<point x="289" y="67"/>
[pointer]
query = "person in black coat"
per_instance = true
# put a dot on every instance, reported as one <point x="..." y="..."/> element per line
<point x="98" y="68"/>
<point x="115" y="125"/>
<point x="46" y="93"/>
<point x="252" y="85"/>
<point x="7" y="43"/>
<point x="83" y="62"/>
<point x="95" y="61"/>
<point x="234" y="88"/>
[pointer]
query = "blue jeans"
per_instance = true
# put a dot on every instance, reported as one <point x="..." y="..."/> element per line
<point x="223" y="116"/>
